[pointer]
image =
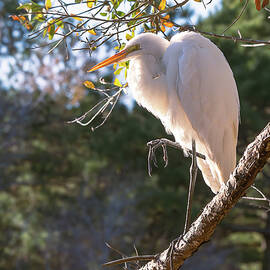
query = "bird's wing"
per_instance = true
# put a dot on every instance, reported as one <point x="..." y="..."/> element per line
<point x="208" y="95"/>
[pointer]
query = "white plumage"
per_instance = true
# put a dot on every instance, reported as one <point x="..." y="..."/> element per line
<point x="187" y="84"/>
<point x="190" y="87"/>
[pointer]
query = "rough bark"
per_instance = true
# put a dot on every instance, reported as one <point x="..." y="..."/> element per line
<point x="201" y="230"/>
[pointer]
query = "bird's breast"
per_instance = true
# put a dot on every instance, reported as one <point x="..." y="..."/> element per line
<point x="147" y="81"/>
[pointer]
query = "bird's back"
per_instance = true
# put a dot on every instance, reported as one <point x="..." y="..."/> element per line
<point x="189" y="85"/>
<point x="203" y="104"/>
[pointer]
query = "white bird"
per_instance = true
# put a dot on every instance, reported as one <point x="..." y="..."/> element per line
<point x="188" y="84"/>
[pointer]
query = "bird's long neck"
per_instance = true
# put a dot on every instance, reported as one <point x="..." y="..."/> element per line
<point x="146" y="79"/>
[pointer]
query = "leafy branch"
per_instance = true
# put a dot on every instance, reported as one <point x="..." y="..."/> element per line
<point x="97" y="22"/>
<point x="104" y="107"/>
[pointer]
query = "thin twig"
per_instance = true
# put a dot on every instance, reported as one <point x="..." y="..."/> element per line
<point x="237" y="18"/>
<point x="130" y="259"/>
<point x="235" y="39"/>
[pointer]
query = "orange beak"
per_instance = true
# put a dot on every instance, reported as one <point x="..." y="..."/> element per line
<point x="111" y="60"/>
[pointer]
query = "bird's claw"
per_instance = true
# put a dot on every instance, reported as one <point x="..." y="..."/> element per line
<point x="153" y="145"/>
<point x="171" y="250"/>
<point x="165" y="155"/>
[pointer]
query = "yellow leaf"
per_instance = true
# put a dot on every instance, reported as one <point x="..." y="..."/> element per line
<point x="88" y="84"/>
<point x="92" y="32"/>
<point x="76" y="18"/>
<point x="48" y="4"/>
<point x="90" y="3"/>
<point x="117" y="83"/>
<point x="128" y="37"/>
<point x="165" y="22"/>
<point x="168" y="24"/>
<point x="198" y="0"/>
<point x="162" y="28"/>
<point x="22" y="18"/>
<point x="162" y="5"/>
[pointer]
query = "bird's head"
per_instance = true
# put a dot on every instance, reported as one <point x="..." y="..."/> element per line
<point x="145" y="43"/>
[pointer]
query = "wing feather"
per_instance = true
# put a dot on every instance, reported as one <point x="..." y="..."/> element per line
<point x="208" y="95"/>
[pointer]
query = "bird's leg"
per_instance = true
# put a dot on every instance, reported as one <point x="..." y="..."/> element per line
<point x="154" y="144"/>
<point x="192" y="182"/>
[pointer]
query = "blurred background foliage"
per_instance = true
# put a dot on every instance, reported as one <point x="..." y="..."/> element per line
<point x="65" y="191"/>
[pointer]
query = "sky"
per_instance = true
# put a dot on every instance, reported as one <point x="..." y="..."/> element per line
<point x="199" y="12"/>
<point x="7" y="63"/>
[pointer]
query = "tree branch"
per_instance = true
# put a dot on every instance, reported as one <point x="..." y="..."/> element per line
<point x="201" y="230"/>
<point x="248" y="41"/>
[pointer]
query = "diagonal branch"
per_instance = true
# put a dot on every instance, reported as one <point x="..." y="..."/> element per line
<point x="201" y="230"/>
<point x="251" y="163"/>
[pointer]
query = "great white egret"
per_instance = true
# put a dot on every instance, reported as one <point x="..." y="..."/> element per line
<point x="188" y="84"/>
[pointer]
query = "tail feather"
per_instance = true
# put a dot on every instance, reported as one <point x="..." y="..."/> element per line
<point x="210" y="174"/>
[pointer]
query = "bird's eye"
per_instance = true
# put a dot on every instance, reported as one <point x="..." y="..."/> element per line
<point x="137" y="47"/>
<point x="133" y="48"/>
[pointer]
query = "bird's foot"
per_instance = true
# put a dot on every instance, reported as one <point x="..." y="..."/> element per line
<point x="171" y="250"/>
<point x="154" y="144"/>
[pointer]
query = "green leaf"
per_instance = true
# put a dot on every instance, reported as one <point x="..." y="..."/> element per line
<point x="117" y="48"/>
<point x="44" y="32"/>
<point x="24" y="6"/>
<point x="103" y="14"/>
<point x="130" y="23"/>
<point x="51" y="32"/>
<point x="122" y="46"/>
<point x="135" y="5"/>
<point x="39" y="17"/>
<point x="60" y="23"/>
<point x="116" y="3"/>
<point x="120" y="13"/>
<point x="146" y="27"/>
<point x="117" y="83"/>
<point x="124" y="64"/>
